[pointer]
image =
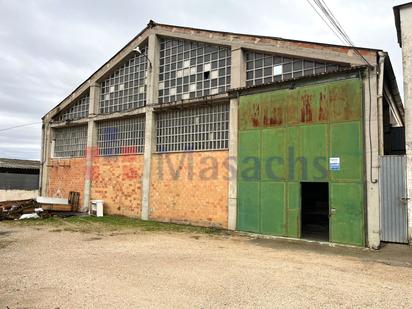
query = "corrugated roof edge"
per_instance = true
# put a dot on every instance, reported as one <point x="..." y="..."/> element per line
<point x="388" y="73"/>
<point x="19" y="164"/>
<point x="271" y="84"/>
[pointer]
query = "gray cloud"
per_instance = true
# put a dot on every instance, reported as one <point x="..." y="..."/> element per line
<point x="49" y="47"/>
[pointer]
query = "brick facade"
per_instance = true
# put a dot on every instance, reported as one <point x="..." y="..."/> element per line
<point x="117" y="181"/>
<point x="66" y="175"/>
<point x="190" y="188"/>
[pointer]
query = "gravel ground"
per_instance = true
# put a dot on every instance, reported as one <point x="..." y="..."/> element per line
<point x="43" y="267"/>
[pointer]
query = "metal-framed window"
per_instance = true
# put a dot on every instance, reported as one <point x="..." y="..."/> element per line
<point x="125" y="88"/>
<point x="191" y="69"/>
<point x="120" y="137"/>
<point x="194" y="128"/>
<point x="265" y="68"/>
<point x="70" y="142"/>
<point x="80" y="109"/>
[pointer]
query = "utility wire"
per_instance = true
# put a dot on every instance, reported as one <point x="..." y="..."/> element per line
<point x="327" y="24"/>
<point x="333" y="22"/>
<point x="322" y="6"/>
<point x="20" y="126"/>
<point x="336" y="20"/>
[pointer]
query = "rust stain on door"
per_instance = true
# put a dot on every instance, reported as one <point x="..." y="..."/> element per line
<point x="273" y="110"/>
<point x="345" y="101"/>
<point x="306" y="108"/>
<point x="335" y="102"/>
<point x="323" y="106"/>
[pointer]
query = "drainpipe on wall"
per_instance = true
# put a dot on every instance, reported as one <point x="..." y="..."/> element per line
<point x="382" y="57"/>
<point x="41" y="159"/>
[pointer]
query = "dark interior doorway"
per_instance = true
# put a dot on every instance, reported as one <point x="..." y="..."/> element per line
<point x="315" y="210"/>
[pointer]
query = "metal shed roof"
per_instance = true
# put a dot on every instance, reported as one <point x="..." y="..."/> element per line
<point x="19" y="164"/>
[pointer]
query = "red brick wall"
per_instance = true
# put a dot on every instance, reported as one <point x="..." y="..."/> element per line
<point x="185" y="189"/>
<point x="66" y="175"/>
<point x="117" y="181"/>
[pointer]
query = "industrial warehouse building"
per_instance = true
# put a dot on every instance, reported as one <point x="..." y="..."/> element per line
<point x="250" y="133"/>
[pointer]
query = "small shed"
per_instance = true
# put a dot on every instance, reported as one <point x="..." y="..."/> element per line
<point x="19" y="179"/>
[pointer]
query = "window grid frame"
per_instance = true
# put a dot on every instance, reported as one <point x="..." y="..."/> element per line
<point x="70" y="142"/>
<point x="123" y="136"/>
<point x="126" y="87"/>
<point x="183" y="67"/>
<point x="78" y="110"/>
<point x="258" y="66"/>
<point x="200" y="128"/>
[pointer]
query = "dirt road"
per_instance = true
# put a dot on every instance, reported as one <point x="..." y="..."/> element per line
<point x="45" y="267"/>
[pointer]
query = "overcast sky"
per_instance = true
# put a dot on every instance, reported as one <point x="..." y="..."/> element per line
<point x="49" y="47"/>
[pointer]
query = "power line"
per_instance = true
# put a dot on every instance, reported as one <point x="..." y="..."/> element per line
<point x="323" y="6"/>
<point x="335" y="23"/>
<point x="336" y="20"/>
<point x="332" y="22"/>
<point x="20" y="126"/>
<point x="324" y="20"/>
<point x="344" y="36"/>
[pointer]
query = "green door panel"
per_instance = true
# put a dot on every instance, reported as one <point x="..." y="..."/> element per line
<point x="263" y="110"/>
<point x="347" y="215"/>
<point x="315" y="152"/>
<point x="345" y="100"/>
<point x="292" y="110"/>
<point x="272" y="208"/>
<point x="346" y="144"/>
<point x="249" y="156"/>
<point x="313" y="103"/>
<point x="287" y="137"/>
<point x="273" y="163"/>
<point x="293" y="151"/>
<point x="249" y="112"/>
<point x="272" y="108"/>
<point x="293" y="214"/>
<point x="248" y="206"/>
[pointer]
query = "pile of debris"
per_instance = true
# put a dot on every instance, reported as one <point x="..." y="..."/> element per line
<point x="40" y="207"/>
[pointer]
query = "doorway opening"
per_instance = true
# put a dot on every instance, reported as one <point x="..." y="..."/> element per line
<point x="315" y="211"/>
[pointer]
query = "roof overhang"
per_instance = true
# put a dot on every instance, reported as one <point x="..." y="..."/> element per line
<point x="392" y="85"/>
<point x="304" y="49"/>
<point x="300" y="81"/>
<point x="396" y="13"/>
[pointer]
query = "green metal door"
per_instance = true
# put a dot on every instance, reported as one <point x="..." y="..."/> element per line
<point x="249" y="181"/>
<point x="273" y="212"/>
<point x="287" y="137"/>
<point x="346" y="188"/>
<point x="293" y="215"/>
<point x="272" y="185"/>
<point x="346" y="209"/>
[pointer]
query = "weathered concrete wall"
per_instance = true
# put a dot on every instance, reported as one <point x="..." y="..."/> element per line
<point x="190" y="188"/>
<point x="65" y="175"/>
<point x="372" y="161"/>
<point x="13" y="195"/>
<point x="117" y="181"/>
<point x="406" y="30"/>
